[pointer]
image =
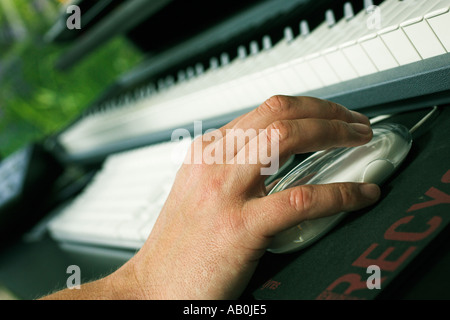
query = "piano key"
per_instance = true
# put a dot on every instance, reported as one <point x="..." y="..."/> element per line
<point x="199" y="69"/>
<point x="323" y="69"/>
<point x="330" y="18"/>
<point x="340" y="64"/>
<point x="313" y="60"/>
<point x="254" y="48"/>
<point x="358" y="58"/>
<point x="348" y="11"/>
<point x="423" y="38"/>
<point x="213" y="63"/>
<point x="378" y="52"/>
<point x="190" y="73"/>
<point x="415" y="16"/>
<point x="368" y="4"/>
<point x="391" y="46"/>
<point x="224" y="59"/>
<point x="399" y="45"/>
<point x="313" y="43"/>
<point x="181" y="76"/>
<point x="369" y="54"/>
<point x="306" y="73"/>
<point x="129" y="231"/>
<point x="440" y="23"/>
<point x="267" y="43"/>
<point x="146" y="229"/>
<point x="336" y="58"/>
<point x="304" y="28"/>
<point x="352" y="53"/>
<point x="325" y="66"/>
<point x="242" y="52"/>
<point x="288" y="34"/>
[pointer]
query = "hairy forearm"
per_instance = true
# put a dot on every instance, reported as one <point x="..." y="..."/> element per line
<point x="119" y="285"/>
<point x="96" y="290"/>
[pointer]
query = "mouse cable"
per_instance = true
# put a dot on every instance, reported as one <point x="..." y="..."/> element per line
<point x="414" y="128"/>
<point x="423" y="120"/>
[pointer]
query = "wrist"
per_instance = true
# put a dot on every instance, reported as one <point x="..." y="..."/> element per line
<point x="124" y="285"/>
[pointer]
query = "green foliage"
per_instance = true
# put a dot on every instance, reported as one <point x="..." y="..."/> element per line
<point x="35" y="99"/>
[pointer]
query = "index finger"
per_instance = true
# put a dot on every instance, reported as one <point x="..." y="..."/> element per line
<point x="281" y="107"/>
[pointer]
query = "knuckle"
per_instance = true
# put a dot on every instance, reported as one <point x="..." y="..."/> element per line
<point x="343" y="196"/>
<point x="339" y="128"/>
<point x="337" y="110"/>
<point x="280" y="128"/>
<point x="275" y="105"/>
<point x="301" y="198"/>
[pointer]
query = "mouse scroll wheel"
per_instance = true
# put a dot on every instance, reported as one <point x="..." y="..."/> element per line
<point x="377" y="171"/>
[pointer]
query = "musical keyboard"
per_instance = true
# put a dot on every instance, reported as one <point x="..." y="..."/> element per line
<point x="362" y="54"/>
<point x="380" y="57"/>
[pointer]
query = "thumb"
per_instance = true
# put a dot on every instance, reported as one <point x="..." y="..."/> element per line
<point x="279" y="211"/>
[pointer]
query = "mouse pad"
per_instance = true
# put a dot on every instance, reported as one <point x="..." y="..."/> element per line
<point x="394" y="235"/>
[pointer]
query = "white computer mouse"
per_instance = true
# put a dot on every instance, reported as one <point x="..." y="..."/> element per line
<point x="373" y="162"/>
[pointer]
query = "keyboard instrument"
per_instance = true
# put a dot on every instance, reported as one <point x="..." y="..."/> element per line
<point x="120" y="206"/>
<point x="388" y="59"/>
<point x="379" y="55"/>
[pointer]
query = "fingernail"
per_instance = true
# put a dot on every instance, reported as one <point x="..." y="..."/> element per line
<point x="359" y="117"/>
<point x="370" y="191"/>
<point x="361" y="128"/>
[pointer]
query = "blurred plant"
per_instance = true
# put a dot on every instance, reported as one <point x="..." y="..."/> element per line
<point x="35" y="99"/>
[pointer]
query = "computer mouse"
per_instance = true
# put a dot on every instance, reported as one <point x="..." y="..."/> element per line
<point x="373" y="162"/>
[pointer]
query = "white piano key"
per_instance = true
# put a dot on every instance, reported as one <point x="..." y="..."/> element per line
<point x="399" y="45"/>
<point x="275" y="84"/>
<point x="358" y="58"/>
<point x="344" y="31"/>
<point x="351" y="59"/>
<point x="440" y="23"/>
<point x="146" y="229"/>
<point x="347" y="32"/>
<point x="308" y="43"/>
<point x="306" y="73"/>
<point x="423" y="38"/>
<point x="293" y="81"/>
<point x="130" y="230"/>
<point x="246" y="90"/>
<point x="315" y="44"/>
<point x="323" y="69"/>
<point x="340" y="64"/>
<point x="378" y="52"/>
<point x="333" y="35"/>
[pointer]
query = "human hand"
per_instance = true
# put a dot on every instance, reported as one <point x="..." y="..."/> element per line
<point x="218" y="220"/>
